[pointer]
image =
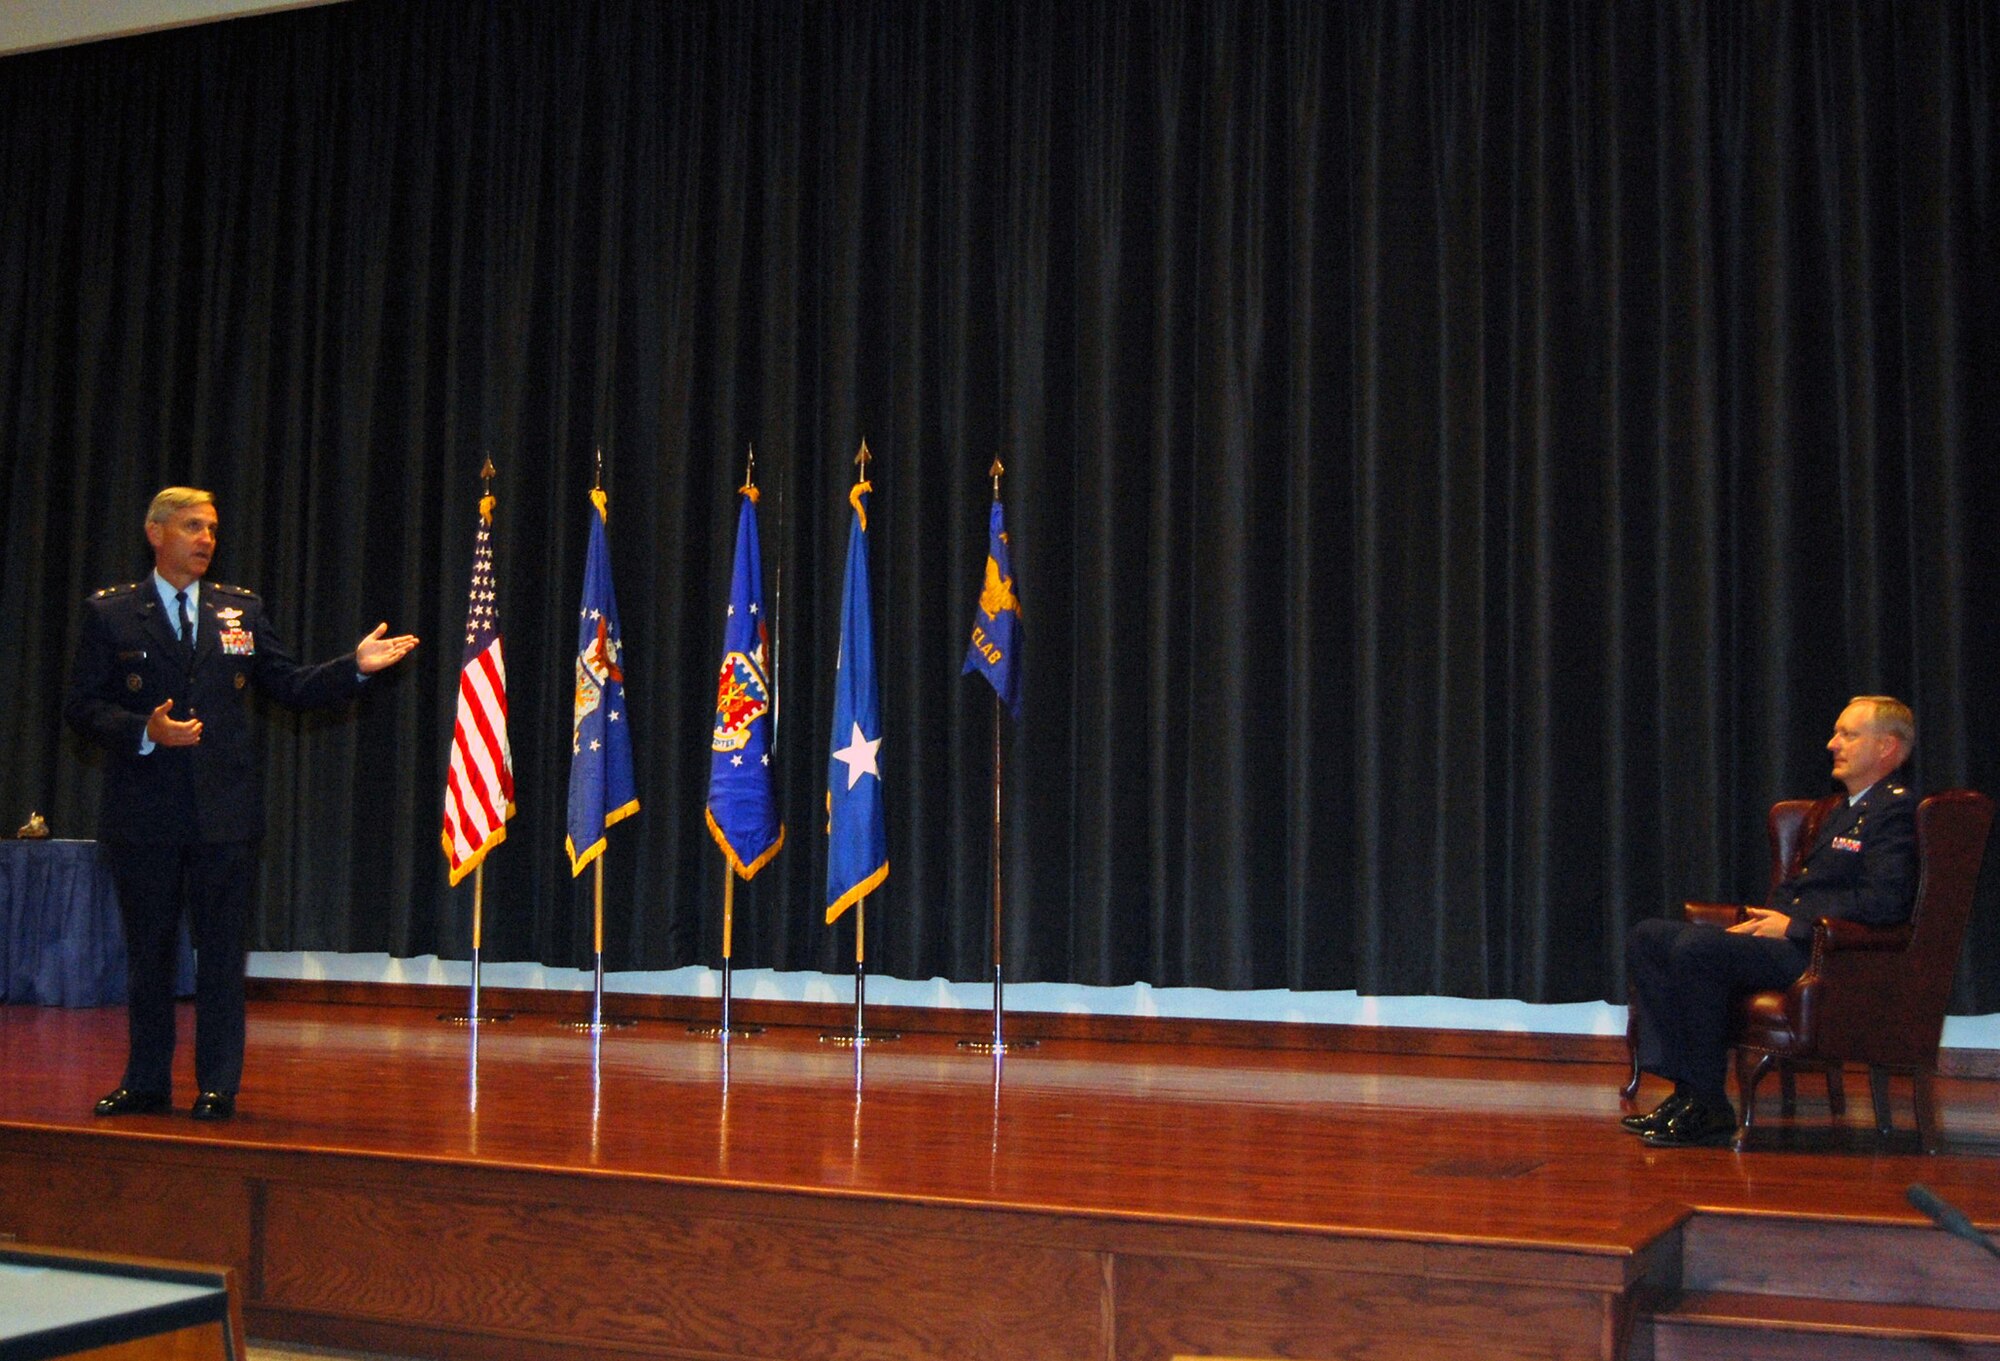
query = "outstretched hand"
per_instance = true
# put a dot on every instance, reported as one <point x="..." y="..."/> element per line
<point x="164" y="730"/>
<point x="376" y="652"/>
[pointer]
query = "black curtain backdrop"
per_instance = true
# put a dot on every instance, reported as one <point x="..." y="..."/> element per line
<point x="1460" y="457"/>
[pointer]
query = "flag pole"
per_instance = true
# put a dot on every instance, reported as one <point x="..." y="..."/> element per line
<point x="471" y="1015"/>
<point x="861" y="1036"/>
<point x="597" y="943"/>
<point x="597" y="1025"/>
<point x="728" y="931"/>
<point x="777" y="690"/>
<point x="486" y="472"/>
<point x="777" y="601"/>
<point x="998" y="1044"/>
<point x="597" y="879"/>
<point x="999" y="1041"/>
<point x="726" y="1029"/>
<point x="478" y="915"/>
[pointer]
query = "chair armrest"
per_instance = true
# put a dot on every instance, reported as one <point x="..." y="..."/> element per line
<point x="1839" y="934"/>
<point x="1715" y="914"/>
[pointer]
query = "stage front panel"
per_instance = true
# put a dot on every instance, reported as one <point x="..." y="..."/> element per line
<point x="655" y="1276"/>
<point x="1189" y="1307"/>
<point x="127" y="1205"/>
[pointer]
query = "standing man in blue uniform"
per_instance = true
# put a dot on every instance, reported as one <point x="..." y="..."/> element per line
<point x="159" y="681"/>
<point x="1861" y="867"/>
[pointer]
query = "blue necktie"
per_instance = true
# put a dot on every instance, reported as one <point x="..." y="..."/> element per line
<point x="187" y="623"/>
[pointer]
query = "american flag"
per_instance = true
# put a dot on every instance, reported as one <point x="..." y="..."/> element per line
<point x="479" y="791"/>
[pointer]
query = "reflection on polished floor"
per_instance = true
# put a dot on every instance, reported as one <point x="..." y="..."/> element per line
<point x="1509" y="1150"/>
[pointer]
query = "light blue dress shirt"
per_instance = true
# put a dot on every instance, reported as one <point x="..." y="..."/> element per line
<point x="169" y="600"/>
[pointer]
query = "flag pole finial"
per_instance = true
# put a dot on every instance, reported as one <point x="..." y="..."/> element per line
<point x="994" y="472"/>
<point x="598" y="483"/>
<point x="749" y="487"/>
<point x="486" y="501"/>
<point x="862" y="486"/>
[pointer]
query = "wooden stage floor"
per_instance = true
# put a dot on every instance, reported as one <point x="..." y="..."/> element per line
<point x="379" y="1134"/>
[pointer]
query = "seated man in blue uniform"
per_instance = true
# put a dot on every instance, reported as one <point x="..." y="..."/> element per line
<point x="1861" y="866"/>
<point x="159" y="681"/>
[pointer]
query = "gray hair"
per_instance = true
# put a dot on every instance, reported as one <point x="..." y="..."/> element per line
<point x="173" y="499"/>
<point x="1890" y="716"/>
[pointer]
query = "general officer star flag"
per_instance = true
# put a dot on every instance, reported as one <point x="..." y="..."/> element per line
<point x="996" y="630"/>
<point x="742" y="807"/>
<point x="857" y="857"/>
<point x="601" y="788"/>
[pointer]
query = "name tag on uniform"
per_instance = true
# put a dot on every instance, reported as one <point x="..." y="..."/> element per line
<point x="1847" y="843"/>
<point x="238" y="643"/>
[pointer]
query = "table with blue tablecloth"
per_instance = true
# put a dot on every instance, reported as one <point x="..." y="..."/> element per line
<point x="60" y="940"/>
<point x="64" y="1303"/>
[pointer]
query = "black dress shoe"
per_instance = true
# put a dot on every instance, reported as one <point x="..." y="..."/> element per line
<point x="213" y="1106"/>
<point x="1696" y="1125"/>
<point x="125" y="1101"/>
<point x="1656" y="1118"/>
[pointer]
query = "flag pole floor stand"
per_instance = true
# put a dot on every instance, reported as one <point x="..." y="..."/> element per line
<point x="866" y="1037"/>
<point x="998" y="1043"/>
<point x="473" y="1015"/>
<point x="860" y="1036"/>
<point x="724" y="1028"/>
<point x="598" y="1022"/>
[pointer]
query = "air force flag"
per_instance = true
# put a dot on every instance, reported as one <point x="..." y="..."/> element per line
<point x="742" y="807"/>
<point x="996" y="629"/>
<point x="601" y="789"/>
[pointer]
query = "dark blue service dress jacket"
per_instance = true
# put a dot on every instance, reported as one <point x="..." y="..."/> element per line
<point x="129" y="660"/>
<point x="1861" y="865"/>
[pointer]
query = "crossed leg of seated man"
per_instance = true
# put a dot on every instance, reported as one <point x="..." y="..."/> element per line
<point x="1687" y="976"/>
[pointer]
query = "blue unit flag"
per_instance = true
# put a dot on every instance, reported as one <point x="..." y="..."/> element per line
<point x="996" y="630"/>
<point x="742" y="804"/>
<point x="601" y="788"/>
<point x="857" y="858"/>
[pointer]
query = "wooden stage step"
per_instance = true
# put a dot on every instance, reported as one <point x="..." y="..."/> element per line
<point x="1705" y="1325"/>
<point x="1793" y="1288"/>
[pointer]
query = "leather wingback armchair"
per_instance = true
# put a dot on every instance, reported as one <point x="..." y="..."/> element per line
<point x="1873" y="995"/>
<point x="1791" y="827"/>
<point x="1877" y="994"/>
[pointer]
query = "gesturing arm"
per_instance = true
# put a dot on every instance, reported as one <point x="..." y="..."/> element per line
<point x="377" y="653"/>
